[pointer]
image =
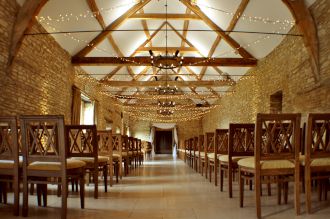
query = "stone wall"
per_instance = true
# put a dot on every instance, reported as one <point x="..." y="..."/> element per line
<point x="285" y="69"/>
<point x="42" y="77"/>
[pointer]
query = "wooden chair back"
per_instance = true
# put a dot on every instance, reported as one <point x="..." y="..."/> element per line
<point x="9" y="151"/>
<point x="240" y="140"/>
<point x="43" y="140"/>
<point x="124" y="144"/>
<point x="221" y="141"/>
<point x="81" y="141"/>
<point x="209" y="142"/>
<point x="277" y="137"/>
<point x="318" y="136"/>
<point x="201" y="143"/>
<point x="104" y="138"/>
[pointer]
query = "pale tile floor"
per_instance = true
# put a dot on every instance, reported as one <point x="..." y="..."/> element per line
<point x="165" y="188"/>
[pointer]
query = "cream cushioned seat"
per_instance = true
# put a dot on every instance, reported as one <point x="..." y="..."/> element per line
<point x="269" y="164"/>
<point x="225" y="158"/>
<point x="56" y="166"/>
<point x="101" y="159"/>
<point x="116" y="153"/>
<point x="316" y="162"/>
<point x="202" y="154"/>
<point x="9" y="164"/>
<point x="210" y="156"/>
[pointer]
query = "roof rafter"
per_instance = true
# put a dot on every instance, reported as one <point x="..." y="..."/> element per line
<point x="219" y="83"/>
<point x="93" y="6"/>
<point x="146" y="61"/>
<point x="112" y="73"/>
<point x="307" y="26"/>
<point x="119" y="53"/>
<point x="241" y="8"/>
<point x="158" y="16"/>
<point x="114" y="25"/>
<point x="24" y="21"/>
<point x="185" y="27"/>
<point x="216" y="28"/>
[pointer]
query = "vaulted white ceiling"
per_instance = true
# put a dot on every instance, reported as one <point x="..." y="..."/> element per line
<point x="75" y="17"/>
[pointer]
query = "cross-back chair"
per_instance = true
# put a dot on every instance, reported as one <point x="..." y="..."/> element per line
<point x="220" y="148"/>
<point x="82" y="145"/>
<point x="117" y="152"/>
<point x="9" y="160"/>
<point x="209" y="154"/>
<point x="201" y="156"/>
<point x="196" y="153"/>
<point x="106" y="149"/>
<point x="276" y="156"/>
<point x="126" y="153"/>
<point x="240" y="145"/>
<point x="45" y="161"/>
<point x="317" y="156"/>
<point x="140" y="153"/>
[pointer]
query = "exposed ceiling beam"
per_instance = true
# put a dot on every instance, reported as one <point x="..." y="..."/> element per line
<point x="169" y="49"/>
<point x="192" y="95"/>
<point x="109" y="29"/>
<point x="142" y="73"/>
<point x="24" y="21"/>
<point x="185" y="27"/>
<point x="119" y="53"/>
<point x="158" y="16"/>
<point x="216" y="28"/>
<point x="307" y="27"/>
<point x="240" y="10"/>
<point x="93" y="6"/>
<point x="146" y="61"/>
<point x="145" y="27"/>
<point x="112" y="73"/>
<point x="170" y="83"/>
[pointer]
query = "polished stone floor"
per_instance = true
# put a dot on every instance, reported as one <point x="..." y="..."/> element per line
<point x="165" y="188"/>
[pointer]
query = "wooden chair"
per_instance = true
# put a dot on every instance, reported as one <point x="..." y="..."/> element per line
<point x="317" y="156"/>
<point x="276" y="156"/>
<point x="45" y="161"/>
<point x="209" y="154"/>
<point x="201" y="156"/>
<point x="126" y="153"/>
<point x="106" y="149"/>
<point x="220" y="148"/>
<point x="82" y="145"/>
<point x="240" y="145"/>
<point x="9" y="160"/>
<point x="140" y="153"/>
<point x="117" y="152"/>
<point x="195" y="153"/>
<point x="190" y="151"/>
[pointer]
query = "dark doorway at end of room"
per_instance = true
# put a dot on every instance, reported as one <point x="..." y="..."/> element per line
<point x="164" y="140"/>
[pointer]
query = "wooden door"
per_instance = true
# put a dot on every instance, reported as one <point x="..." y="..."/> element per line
<point x="163" y="142"/>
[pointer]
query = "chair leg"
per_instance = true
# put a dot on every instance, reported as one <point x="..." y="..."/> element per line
<point x="105" y="175"/>
<point x="230" y="181"/>
<point x="96" y="182"/>
<point x="25" y="197"/>
<point x="82" y="190"/>
<point x="64" y="184"/>
<point x="241" y="188"/>
<point x="221" y="178"/>
<point x="308" y="188"/>
<point x="16" y="196"/>
<point x="257" y="196"/>
<point x="279" y="192"/>
<point x="216" y="173"/>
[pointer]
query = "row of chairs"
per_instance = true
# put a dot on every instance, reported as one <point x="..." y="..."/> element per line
<point x="43" y="150"/>
<point x="273" y="150"/>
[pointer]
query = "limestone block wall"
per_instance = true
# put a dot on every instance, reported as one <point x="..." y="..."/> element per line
<point x="42" y="77"/>
<point x="285" y="69"/>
